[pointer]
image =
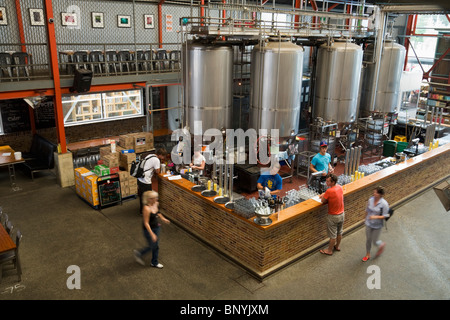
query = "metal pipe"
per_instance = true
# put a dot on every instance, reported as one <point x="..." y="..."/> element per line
<point x="346" y="162"/>
<point x="230" y="181"/>
<point x="225" y="182"/>
<point x="377" y="58"/>
<point x="358" y="157"/>
<point x="352" y="161"/>
<point x="220" y="175"/>
<point x="440" y="119"/>
<point x="432" y="115"/>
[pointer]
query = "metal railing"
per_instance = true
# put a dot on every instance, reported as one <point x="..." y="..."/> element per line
<point x="31" y="61"/>
<point x="117" y="59"/>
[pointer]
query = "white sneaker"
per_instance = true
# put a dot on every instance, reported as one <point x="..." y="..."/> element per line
<point x="137" y="257"/>
<point x="159" y="266"/>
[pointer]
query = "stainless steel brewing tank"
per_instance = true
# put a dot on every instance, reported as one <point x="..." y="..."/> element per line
<point x="337" y="81"/>
<point x="276" y="82"/>
<point x="208" y="85"/>
<point x="388" y="85"/>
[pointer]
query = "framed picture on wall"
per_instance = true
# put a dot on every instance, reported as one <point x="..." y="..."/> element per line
<point x="69" y="19"/>
<point x="3" y="20"/>
<point x="124" y="21"/>
<point x="97" y="20"/>
<point x="149" y="22"/>
<point x="37" y="17"/>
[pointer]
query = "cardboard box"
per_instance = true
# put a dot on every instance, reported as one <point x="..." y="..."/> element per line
<point x="114" y="169"/>
<point x="111" y="160"/>
<point x="126" y="141"/>
<point x="86" y="185"/>
<point x="125" y="160"/>
<point x="80" y="171"/>
<point x="442" y="190"/>
<point x="101" y="170"/>
<point x="123" y="176"/>
<point x="142" y="141"/>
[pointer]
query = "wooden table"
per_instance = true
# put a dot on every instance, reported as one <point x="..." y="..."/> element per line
<point x="6" y="243"/>
<point x="7" y="159"/>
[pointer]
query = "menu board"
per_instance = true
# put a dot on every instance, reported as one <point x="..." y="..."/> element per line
<point x="109" y="190"/>
<point x="15" y="115"/>
<point x="44" y="114"/>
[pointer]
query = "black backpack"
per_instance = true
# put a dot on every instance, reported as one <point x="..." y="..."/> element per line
<point x="137" y="167"/>
<point x="391" y="213"/>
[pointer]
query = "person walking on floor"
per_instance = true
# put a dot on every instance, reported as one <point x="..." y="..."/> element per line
<point x="152" y="165"/>
<point x="334" y="196"/>
<point x="377" y="210"/>
<point x="151" y="228"/>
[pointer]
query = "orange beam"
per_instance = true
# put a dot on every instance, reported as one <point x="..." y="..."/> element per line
<point x="202" y="10"/>
<point x="223" y="13"/>
<point x="333" y="6"/>
<point x="297" y="17"/>
<point x="160" y="26"/>
<point x="20" y="25"/>
<point x="57" y="98"/>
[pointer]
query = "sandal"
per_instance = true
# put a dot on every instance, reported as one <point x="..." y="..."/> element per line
<point x="337" y="249"/>
<point x="326" y="253"/>
<point x="365" y="259"/>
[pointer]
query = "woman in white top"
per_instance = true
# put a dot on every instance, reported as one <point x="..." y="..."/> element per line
<point x="377" y="210"/>
<point x="198" y="162"/>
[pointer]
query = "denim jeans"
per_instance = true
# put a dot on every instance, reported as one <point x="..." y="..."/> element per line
<point x="152" y="246"/>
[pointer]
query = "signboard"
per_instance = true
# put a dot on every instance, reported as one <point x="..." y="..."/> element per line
<point x="44" y="115"/>
<point x="15" y="116"/>
<point x="109" y="190"/>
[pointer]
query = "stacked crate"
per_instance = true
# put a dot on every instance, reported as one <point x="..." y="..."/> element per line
<point x="86" y="186"/>
<point x="111" y="159"/>
<point x="128" y="184"/>
<point x="139" y="142"/>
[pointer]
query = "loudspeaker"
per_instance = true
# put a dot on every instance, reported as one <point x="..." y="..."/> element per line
<point x="82" y="80"/>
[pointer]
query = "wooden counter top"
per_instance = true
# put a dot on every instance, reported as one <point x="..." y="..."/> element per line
<point x="310" y="205"/>
<point x="74" y="146"/>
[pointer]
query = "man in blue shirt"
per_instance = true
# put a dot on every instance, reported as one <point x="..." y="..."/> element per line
<point x="270" y="180"/>
<point x="321" y="162"/>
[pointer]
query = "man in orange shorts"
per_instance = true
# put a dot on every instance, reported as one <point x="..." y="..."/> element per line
<point x="334" y="196"/>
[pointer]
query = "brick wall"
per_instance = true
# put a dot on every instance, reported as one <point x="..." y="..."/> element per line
<point x="264" y="250"/>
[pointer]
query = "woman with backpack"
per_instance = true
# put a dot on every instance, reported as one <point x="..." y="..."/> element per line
<point x="377" y="211"/>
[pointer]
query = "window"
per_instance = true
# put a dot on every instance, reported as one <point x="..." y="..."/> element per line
<point x="425" y="46"/>
<point x="97" y="107"/>
<point x="280" y="20"/>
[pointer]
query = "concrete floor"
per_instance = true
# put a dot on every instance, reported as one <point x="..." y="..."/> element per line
<point x="60" y="230"/>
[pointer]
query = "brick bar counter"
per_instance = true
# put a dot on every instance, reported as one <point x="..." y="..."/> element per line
<point x="297" y="230"/>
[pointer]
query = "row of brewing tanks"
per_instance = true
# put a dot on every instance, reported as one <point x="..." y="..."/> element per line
<point x="344" y="76"/>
